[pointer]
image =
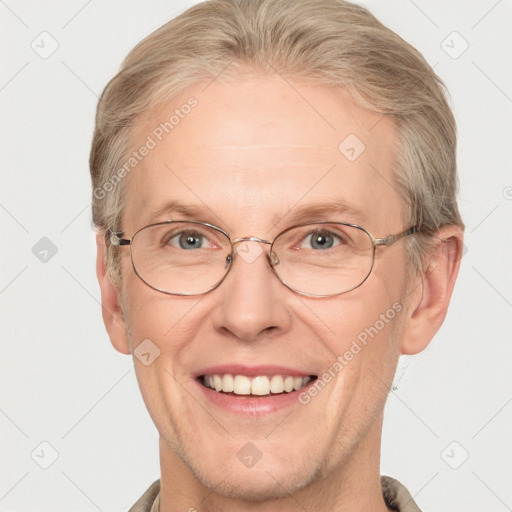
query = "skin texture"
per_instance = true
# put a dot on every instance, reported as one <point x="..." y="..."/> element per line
<point x="251" y="154"/>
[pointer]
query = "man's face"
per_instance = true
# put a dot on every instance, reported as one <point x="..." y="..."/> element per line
<point x="249" y="157"/>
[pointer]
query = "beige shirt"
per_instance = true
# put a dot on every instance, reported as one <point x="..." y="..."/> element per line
<point x="395" y="495"/>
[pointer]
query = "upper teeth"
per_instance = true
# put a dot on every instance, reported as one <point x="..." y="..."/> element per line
<point x="258" y="385"/>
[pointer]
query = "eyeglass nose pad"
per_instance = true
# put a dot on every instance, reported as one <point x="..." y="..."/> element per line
<point x="274" y="260"/>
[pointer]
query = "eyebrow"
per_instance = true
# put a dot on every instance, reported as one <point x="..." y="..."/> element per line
<point x="189" y="211"/>
<point x="320" y="211"/>
<point x="295" y="215"/>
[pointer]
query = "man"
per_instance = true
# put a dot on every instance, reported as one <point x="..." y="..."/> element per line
<point x="274" y="190"/>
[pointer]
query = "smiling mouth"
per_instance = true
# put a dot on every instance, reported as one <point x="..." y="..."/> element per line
<point x="260" y="385"/>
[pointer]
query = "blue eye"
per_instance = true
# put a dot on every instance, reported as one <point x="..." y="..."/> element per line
<point x="188" y="241"/>
<point x="320" y="240"/>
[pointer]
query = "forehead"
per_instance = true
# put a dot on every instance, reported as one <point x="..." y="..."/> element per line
<point x="255" y="151"/>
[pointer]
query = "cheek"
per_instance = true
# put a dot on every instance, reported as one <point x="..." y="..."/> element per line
<point x="160" y="338"/>
<point x="362" y="332"/>
<point x="161" y="319"/>
<point x="158" y="333"/>
<point x="149" y="313"/>
<point x="368" y="319"/>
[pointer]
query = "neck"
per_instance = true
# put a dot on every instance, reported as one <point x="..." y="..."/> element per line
<point x="350" y="486"/>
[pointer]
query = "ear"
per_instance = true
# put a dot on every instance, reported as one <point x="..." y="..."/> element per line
<point x="113" y="317"/>
<point x="431" y="291"/>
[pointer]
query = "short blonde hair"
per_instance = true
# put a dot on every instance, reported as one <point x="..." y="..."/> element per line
<point x="329" y="42"/>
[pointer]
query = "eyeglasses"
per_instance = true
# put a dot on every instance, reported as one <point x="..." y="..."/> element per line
<point x="317" y="259"/>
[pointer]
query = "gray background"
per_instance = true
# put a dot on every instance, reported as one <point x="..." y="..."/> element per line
<point x="61" y="381"/>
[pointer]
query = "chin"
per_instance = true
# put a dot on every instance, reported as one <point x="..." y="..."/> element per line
<point x="258" y="485"/>
<point x="266" y="480"/>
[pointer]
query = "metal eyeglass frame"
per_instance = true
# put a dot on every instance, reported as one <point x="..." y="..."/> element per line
<point x="117" y="240"/>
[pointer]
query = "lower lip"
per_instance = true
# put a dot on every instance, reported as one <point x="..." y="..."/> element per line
<point x="250" y="404"/>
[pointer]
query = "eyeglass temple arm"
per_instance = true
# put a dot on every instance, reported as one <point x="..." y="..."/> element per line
<point x="115" y="239"/>
<point x="391" y="239"/>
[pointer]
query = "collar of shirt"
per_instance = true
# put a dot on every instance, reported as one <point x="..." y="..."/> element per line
<point x="396" y="496"/>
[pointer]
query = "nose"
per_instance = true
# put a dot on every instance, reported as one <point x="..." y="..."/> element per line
<point x="252" y="301"/>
